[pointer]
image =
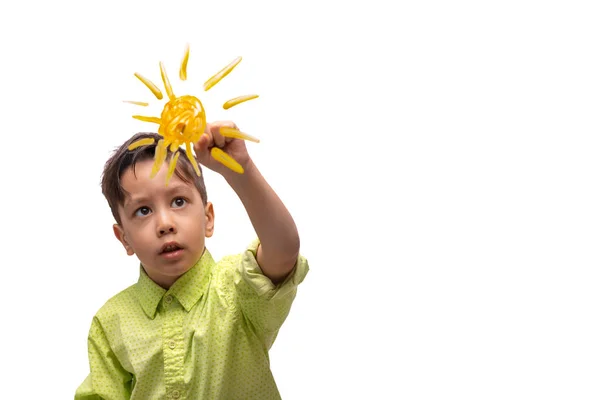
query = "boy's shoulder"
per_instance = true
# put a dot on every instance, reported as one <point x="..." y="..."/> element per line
<point x="230" y="268"/>
<point x="125" y="301"/>
<point x="243" y="272"/>
<point x="225" y="271"/>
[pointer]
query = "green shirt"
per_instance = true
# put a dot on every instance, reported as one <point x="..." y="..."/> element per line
<point x="207" y="337"/>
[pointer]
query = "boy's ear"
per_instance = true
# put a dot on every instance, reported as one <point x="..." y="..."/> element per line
<point x="120" y="235"/>
<point x="209" y="213"/>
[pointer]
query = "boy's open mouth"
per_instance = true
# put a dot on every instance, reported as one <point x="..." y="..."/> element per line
<point x="170" y="247"/>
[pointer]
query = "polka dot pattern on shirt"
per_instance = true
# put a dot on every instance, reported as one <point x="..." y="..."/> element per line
<point x="207" y="337"/>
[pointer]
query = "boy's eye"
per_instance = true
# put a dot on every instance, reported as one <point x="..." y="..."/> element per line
<point x="142" y="211"/>
<point x="179" y="202"/>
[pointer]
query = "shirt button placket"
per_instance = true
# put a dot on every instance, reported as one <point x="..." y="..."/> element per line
<point x="173" y="355"/>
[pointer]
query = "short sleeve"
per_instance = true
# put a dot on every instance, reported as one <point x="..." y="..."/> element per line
<point x="263" y="303"/>
<point x="107" y="378"/>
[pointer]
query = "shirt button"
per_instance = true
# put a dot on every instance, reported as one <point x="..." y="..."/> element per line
<point x="175" y="394"/>
<point x="172" y="346"/>
<point x="168" y="299"/>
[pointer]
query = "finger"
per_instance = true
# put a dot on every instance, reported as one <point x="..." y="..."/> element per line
<point x="202" y="145"/>
<point x="217" y="137"/>
<point x="216" y="131"/>
<point x="209" y="135"/>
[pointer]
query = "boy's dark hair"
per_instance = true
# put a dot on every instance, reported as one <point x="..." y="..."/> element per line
<point x="123" y="158"/>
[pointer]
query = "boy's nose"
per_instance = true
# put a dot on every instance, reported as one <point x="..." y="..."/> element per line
<point x="164" y="229"/>
<point x="165" y="224"/>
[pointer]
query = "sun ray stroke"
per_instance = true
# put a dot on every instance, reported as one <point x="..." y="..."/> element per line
<point x="144" y="118"/>
<point x="190" y="156"/>
<point x="238" y="100"/>
<point x="172" y="166"/>
<point x="165" y="78"/>
<point x="213" y="80"/>
<point x="225" y="159"/>
<point x="153" y="88"/>
<point x="160" y="155"/>
<point x="236" y="134"/>
<point x="137" y="103"/>
<point x="141" y="142"/>
<point x="184" y="62"/>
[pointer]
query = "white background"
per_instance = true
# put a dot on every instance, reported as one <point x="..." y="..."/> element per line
<point x="441" y="160"/>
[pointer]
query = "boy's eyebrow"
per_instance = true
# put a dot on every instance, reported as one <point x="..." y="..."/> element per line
<point x="131" y="201"/>
<point x="172" y="188"/>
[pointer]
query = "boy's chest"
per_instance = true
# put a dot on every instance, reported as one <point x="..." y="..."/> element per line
<point x="194" y="352"/>
<point x="210" y="331"/>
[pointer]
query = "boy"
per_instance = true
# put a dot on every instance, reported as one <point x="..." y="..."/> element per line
<point x="191" y="328"/>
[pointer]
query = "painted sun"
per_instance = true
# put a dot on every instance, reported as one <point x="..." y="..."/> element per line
<point x="183" y="120"/>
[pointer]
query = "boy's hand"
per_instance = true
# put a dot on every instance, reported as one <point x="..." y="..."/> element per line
<point x="236" y="148"/>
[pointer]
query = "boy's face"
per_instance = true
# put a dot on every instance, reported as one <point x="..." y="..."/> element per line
<point x="164" y="226"/>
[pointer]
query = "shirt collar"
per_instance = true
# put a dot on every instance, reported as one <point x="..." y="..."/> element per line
<point x="188" y="289"/>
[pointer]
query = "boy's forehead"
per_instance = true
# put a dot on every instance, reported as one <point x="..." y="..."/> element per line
<point x="136" y="182"/>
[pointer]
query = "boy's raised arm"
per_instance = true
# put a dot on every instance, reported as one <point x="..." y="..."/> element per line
<point x="279" y="241"/>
